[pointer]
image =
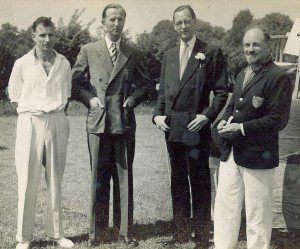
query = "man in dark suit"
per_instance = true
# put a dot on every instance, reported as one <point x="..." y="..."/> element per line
<point x="258" y="110"/>
<point x="189" y="73"/>
<point x="117" y="83"/>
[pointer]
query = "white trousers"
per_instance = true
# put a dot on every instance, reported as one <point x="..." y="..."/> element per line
<point x="235" y="184"/>
<point x="41" y="140"/>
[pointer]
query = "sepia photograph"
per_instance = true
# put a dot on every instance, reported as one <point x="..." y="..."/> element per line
<point x="150" y="124"/>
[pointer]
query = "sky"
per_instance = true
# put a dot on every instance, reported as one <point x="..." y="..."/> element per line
<point x="142" y="15"/>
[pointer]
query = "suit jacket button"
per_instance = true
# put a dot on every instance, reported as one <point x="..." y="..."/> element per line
<point x="237" y="111"/>
<point x="241" y="99"/>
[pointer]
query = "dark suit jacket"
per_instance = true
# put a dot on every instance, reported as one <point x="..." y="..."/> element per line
<point x="263" y="108"/>
<point x="181" y="100"/>
<point x="112" y="85"/>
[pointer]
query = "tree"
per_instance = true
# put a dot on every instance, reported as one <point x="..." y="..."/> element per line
<point x="164" y="35"/>
<point x="276" y="23"/>
<point x="234" y="36"/>
<point x="208" y="33"/>
<point x="72" y="36"/>
<point x="232" y="42"/>
<point x="13" y="44"/>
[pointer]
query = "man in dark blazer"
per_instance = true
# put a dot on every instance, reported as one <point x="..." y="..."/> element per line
<point x="248" y="140"/>
<point x="117" y="83"/>
<point x="189" y="73"/>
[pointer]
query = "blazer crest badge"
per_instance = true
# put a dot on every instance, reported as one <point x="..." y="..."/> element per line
<point x="257" y="101"/>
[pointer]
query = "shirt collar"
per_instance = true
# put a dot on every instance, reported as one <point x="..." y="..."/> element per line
<point x="256" y="68"/>
<point x="57" y="55"/>
<point x="109" y="42"/>
<point x="191" y="43"/>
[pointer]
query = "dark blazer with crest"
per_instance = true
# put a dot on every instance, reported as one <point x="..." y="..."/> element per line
<point x="263" y="107"/>
<point x="112" y="85"/>
<point x="181" y="100"/>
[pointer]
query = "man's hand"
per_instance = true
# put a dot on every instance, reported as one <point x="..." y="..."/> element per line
<point x="221" y="125"/>
<point x="197" y="123"/>
<point x="160" y="123"/>
<point x="230" y="131"/>
<point x="129" y="102"/>
<point x="94" y="102"/>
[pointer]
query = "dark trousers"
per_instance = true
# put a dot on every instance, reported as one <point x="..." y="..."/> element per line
<point x="190" y="170"/>
<point x="108" y="156"/>
<point x="130" y="144"/>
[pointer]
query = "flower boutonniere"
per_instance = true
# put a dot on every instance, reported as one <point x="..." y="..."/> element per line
<point x="200" y="56"/>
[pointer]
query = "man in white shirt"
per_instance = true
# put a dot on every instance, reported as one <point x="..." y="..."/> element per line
<point x="39" y="87"/>
<point x="117" y="83"/>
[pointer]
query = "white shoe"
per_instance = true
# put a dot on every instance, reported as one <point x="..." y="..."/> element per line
<point x="23" y="245"/>
<point x="63" y="242"/>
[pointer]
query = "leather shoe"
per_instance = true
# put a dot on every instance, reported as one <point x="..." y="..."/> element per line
<point x="182" y="238"/>
<point x="128" y="240"/>
<point x="203" y="245"/>
<point x="104" y="237"/>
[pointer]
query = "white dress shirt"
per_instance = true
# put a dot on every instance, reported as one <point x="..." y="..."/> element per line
<point x="109" y="45"/>
<point x="190" y="48"/>
<point x="34" y="90"/>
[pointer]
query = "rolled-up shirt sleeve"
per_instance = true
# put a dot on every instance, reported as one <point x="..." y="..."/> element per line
<point x="15" y="83"/>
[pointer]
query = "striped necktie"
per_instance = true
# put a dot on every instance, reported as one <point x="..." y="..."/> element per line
<point x="184" y="59"/>
<point x="114" y="53"/>
<point x="249" y="74"/>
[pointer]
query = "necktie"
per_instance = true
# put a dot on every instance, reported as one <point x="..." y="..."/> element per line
<point x="248" y="76"/>
<point x="114" y="53"/>
<point x="184" y="59"/>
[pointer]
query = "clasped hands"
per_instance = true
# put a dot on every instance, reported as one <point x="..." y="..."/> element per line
<point x="94" y="102"/>
<point x="228" y="131"/>
<point x="195" y="125"/>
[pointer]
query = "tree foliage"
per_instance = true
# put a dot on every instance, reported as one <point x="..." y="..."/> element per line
<point x="276" y="23"/>
<point x="208" y="33"/>
<point x="72" y="36"/>
<point x="13" y="44"/>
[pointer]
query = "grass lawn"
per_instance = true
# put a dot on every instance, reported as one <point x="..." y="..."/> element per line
<point x="151" y="186"/>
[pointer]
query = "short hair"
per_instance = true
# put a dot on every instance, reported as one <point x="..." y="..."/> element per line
<point x="45" y="21"/>
<point x="113" y="6"/>
<point x="183" y="7"/>
<point x="263" y="28"/>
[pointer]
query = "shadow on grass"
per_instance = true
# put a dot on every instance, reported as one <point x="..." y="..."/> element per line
<point x="41" y="244"/>
<point x="3" y="148"/>
<point x="157" y="229"/>
<point x="44" y="243"/>
<point x="142" y="232"/>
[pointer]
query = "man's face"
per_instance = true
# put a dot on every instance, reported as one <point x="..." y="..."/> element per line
<point x="114" y="23"/>
<point x="184" y="25"/>
<point x="256" y="49"/>
<point x="44" y="37"/>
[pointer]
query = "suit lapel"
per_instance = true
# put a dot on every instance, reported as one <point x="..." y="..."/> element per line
<point x="257" y="77"/>
<point x="192" y="64"/>
<point x="123" y="56"/>
<point x="239" y="83"/>
<point x="104" y="56"/>
<point x="254" y="80"/>
<point x="174" y="61"/>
